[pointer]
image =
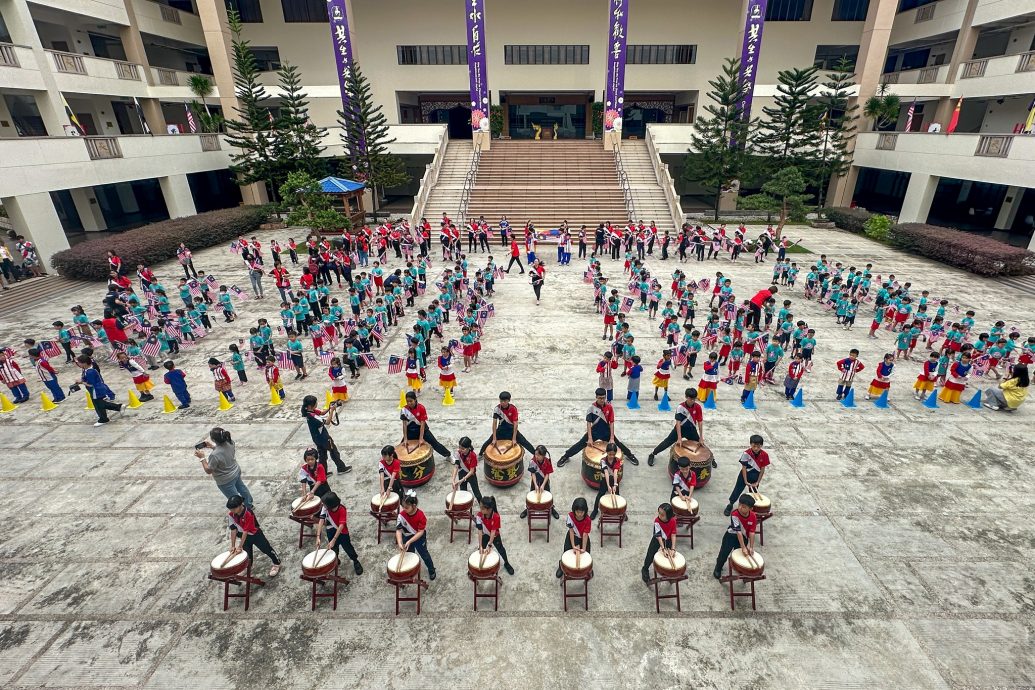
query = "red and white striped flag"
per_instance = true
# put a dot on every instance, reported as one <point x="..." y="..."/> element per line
<point x="395" y="364"/>
<point x="284" y="361"/>
<point x="369" y="360"/>
<point x="627" y="304"/>
<point x="152" y="347"/>
<point x="50" y="349"/>
<point x="190" y="119"/>
<point x="909" y="116"/>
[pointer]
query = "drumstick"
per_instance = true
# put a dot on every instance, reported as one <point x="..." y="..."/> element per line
<point x="384" y="497"/>
<point x="481" y="561"/>
<point x="578" y="557"/>
<point x="227" y="559"/>
<point x="398" y="565"/>
<point x="452" y="498"/>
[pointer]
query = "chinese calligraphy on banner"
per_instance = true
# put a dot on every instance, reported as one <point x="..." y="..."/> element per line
<point x="753" y="25"/>
<point x="339" y="20"/>
<point x="614" y="91"/>
<point x="476" y="65"/>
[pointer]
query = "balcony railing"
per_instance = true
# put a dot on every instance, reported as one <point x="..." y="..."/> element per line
<point x="170" y="14"/>
<point x="127" y="70"/>
<point x="994" y="146"/>
<point x="101" y="148"/>
<point x="974" y="69"/>
<point x="1026" y="62"/>
<point x="8" y="58"/>
<point x="886" y="141"/>
<point x="209" y="142"/>
<point x="167" y="77"/>
<point x="70" y="63"/>
<point x="925" y="13"/>
<point x="928" y="75"/>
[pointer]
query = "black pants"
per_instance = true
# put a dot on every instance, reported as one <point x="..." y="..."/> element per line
<point x="344" y="542"/>
<point x="504" y="432"/>
<point x="738" y="488"/>
<point x="568" y="546"/>
<point x="420" y="547"/>
<point x="753" y="316"/>
<point x="514" y="259"/>
<point x="328" y="447"/>
<point x="582" y="250"/>
<point x="498" y="543"/>
<point x="102" y="406"/>
<point x="537" y="288"/>
<point x="603" y="491"/>
<point x="729" y="543"/>
<point x="601" y="432"/>
<point x="470" y="484"/>
<point x="615" y="250"/>
<point x="69" y="354"/>
<point x="188" y="268"/>
<point x="397" y="487"/>
<point x="689" y="433"/>
<point x="483" y="243"/>
<point x="259" y="540"/>
<point x="413" y="433"/>
<point x="653" y="549"/>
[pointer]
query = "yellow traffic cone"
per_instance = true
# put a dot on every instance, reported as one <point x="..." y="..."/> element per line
<point x="89" y="401"/>
<point x="402" y="398"/>
<point x="328" y="400"/>
<point x="224" y="402"/>
<point x="134" y="401"/>
<point x="168" y="406"/>
<point x="6" y="405"/>
<point x="275" y="398"/>
<point x="448" y="399"/>
<point x="47" y="403"/>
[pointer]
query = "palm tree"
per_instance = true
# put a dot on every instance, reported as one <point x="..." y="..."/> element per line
<point x="882" y="108"/>
<point x="201" y="86"/>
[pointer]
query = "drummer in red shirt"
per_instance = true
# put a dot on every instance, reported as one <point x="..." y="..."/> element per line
<point x="487" y="521"/>
<point x="505" y="425"/>
<point x="465" y="470"/>
<point x="539" y="470"/>
<point x="389" y="470"/>
<point x="411" y="531"/>
<point x="684" y="481"/>
<point x="243" y="523"/>
<point x="415" y="426"/>
<point x="579" y="525"/>
<point x="740" y="532"/>
<point x="312" y="476"/>
<point x="689" y="425"/>
<point x="753" y="462"/>
<point x="600" y="426"/>
<point x="664" y="538"/>
<point x="334" y="523"/>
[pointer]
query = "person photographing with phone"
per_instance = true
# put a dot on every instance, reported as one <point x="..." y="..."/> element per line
<point x="221" y="464"/>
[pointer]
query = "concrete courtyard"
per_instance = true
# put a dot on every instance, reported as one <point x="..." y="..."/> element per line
<point x="899" y="555"/>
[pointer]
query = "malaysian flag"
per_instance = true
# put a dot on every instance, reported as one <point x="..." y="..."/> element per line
<point x="369" y="361"/>
<point x="152" y="347"/>
<point x="195" y="288"/>
<point x="703" y="285"/>
<point x="348" y="328"/>
<point x="692" y="286"/>
<point x="456" y="348"/>
<point x="377" y="336"/>
<point x="49" y="348"/>
<point x="681" y="357"/>
<point x="238" y="293"/>
<point x="627" y="304"/>
<point x="284" y="361"/>
<point x="492" y="311"/>
<point x="326" y="357"/>
<point x="234" y="248"/>
<point x="499" y="273"/>
<point x="420" y="289"/>
<point x="190" y="119"/>
<point x="211" y="280"/>
<point x="395" y="364"/>
<point x="132" y="322"/>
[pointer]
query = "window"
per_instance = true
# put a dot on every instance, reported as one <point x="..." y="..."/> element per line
<point x="546" y="55"/>
<point x="304" y="10"/>
<point x="250" y="11"/>
<point x="905" y="5"/>
<point x="788" y="11"/>
<point x="662" y="54"/>
<point x="827" y="57"/>
<point x="432" y="55"/>
<point x="268" y="59"/>
<point x="850" y="10"/>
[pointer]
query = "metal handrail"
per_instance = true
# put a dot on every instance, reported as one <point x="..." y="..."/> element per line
<point x="472" y="173"/>
<point x="623" y="182"/>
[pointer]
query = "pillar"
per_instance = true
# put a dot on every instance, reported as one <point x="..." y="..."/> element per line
<point x="23" y="32"/>
<point x="919" y="195"/>
<point x="1008" y="211"/>
<point x="34" y="216"/>
<point x="178" y="198"/>
<point x="89" y="210"/>
<point x="134" y="47"/>
<point x="841" y="189"/>
<point x="962" y="51"/>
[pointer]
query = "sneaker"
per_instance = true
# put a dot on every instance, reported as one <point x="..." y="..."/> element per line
<point x="991" y="406"/>
<point x="563" y="461"/>
<point x="717" y="574"/>
<point x="714" y="464"/>
<point x="509" y="568"/>
<point x="559" y="573"/>
<point x="650" y="459"/>
<point x="99" y="423"/>
<point x="184" y="406"/>
<point x="432" y="575"/>
<point x="275" y="570"/>
<point x="524" y="514"/>
<point x="344" y="469"/>
<point x="555" y="514"/>
<point x="358" y="567"/>
<point x="645" y="575"/>
<point x="633" y="460"/>
<point x="727" y="510"/>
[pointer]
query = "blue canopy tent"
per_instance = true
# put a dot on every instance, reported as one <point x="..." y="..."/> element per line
<point x="350" y="196"/>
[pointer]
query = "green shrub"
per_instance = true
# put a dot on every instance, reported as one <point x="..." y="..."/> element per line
<point x="850" y="219"/>
<point x="969" y="251"/>
<point x="878" y="228"/>
<point x="157" y="242"/>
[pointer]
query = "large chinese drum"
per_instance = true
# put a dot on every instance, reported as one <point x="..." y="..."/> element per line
<point x="503" y="467"/>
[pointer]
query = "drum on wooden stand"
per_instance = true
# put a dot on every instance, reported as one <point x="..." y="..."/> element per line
<point x="224" y="565"/>
<point x="591" y="457"/>
<point x="699" y="455"/>
<point x="418" y="464"/>
<point x="305" y="508"/>
<point x="574" y="565"/>
<point x="538" y="500"/>
<point x="484" y="567"/>
<point x="685" y="507"/>
<point x="403" y="567"/>
<point x="674" y="568"/>
<point x="763" y="506"/>
<point x="380" y="503"/>
<point x="743" y="564"/>
<point x="503" y="467"/>
<point x="461" y="500"/>
<point x="319" y="562"/>
<point x="613" y="504"/>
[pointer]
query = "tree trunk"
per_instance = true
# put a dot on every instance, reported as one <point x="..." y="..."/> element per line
<point x="783" y="219"/>
<point x="718" y="197"/>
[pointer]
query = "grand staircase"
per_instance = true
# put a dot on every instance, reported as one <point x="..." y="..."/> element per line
<point x="445" y="195"/>
<point x="649" y="201"/>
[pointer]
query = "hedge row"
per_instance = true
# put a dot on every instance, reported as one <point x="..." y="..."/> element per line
<point x="969" y="251"/>
<point x="850" y="219"/>
<point x="157" y="242"/>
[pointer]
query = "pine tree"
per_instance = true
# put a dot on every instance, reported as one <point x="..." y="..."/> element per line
<point x="299" y="140"/>
<point x="783" y="193"/>
<point x="838" y="126"/>
<point x="719" y="155"/>
<point x="365" y="135"/>
<point x="253" y="132"/>
<point x="788" y="135"/>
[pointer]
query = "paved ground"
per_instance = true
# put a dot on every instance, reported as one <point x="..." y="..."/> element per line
<point x="899" y="556"/>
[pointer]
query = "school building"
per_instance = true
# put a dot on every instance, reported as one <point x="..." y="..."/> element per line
<point x="94" y="133"/>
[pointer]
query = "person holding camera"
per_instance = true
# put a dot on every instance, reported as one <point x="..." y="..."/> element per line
<point x="317" y="420"/>
<point x="222" y="465"/>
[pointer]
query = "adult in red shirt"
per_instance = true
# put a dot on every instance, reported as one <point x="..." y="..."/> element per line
<point x="689" y="425"/>
<point x="415" y="429"/>
<point x="282" y="279"/>
<point x="754" y="317"/>
<point x="487" y="521"/>
<point x="515" y="256"/>
<point x="411" y="531"/>
<point x="244" y="524"/>
<point x="113" y="328"/>
<point x="600" y="426"/>
<point x="753" y="462"/>
<point x="576" y="538"/>
<point x="664" y="538"/>
<point x="505" y="426"/>
<point x="334" y="524"/>
<point x="740" y="532"/>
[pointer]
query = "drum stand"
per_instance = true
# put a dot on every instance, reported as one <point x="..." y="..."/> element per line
<point x="687" y="522"/>
<point x="457" y="519"/>
<point x="385" y="521"/>
<point x="735" y="577"/>
<point x="761" y="526"/>
<point x="606" y="519"/>
<point x="584" y="594"/>
<point x="493" y="593"/>
<point x="245" y="579"/>
<point x="320" y="580"/>
<point x="412" y="580"/>
<point x="304" y="522"/>
<point x="658" y="596"/>
<point x="539" y="516"/>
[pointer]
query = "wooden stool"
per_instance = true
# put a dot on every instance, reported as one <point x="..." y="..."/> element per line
<point x="303" y="522"/>
<point x="735" y="577"/>
<point x="539" y="516"/>
<point x="318" y="580"/>
<point x="605" y="519"/>
<point x="686" y="523"/>
<point x="386" y="521"/>
<point x="761" y="526"/>
<point x="244" y="579"/>
<point x="457" y="518"/>
<point x="658" y="596"/>
<point x="493" y="593"/>
<point x="399" y="584"/>
<point x="584" y="594"/>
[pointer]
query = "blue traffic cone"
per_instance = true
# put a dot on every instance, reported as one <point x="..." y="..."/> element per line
<point x="849" y="400"/>
<point x="634" y="402"/>
<point x="931" y="401"/>
<point x="882" y="401"/>
<point x="797" y="401"/>
<point x="663" y="406"/>
<point x="749" y="402"/>
<point x="975" y="402"/>
<point x="709" y="401"/>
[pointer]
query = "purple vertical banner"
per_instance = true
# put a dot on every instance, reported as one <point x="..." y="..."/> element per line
<point x="752" y="48"/>
<point x="339" y="20"/>
<point x="614" y="90"/>
<point x="477" y="65"/>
